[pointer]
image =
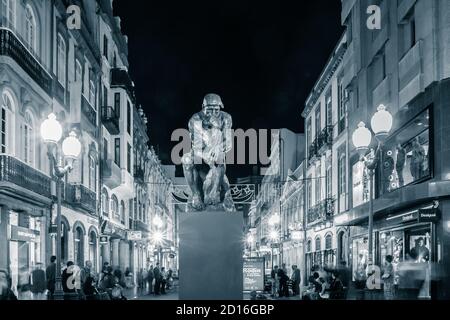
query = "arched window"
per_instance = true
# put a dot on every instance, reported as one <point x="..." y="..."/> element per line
<point x="64" y="241"/>
<point x="9" y="13"/>
<point x="7" y="123"/>
<point x="79" y="246"/>
<point x="92" y="174"/>
<point x="328" y="242"/>
<point x="105" y="202"/>
<point x="115" y="207"/>
<point x="28" y="137"/>
<point x="318" y="244"/>
<point x="122" y="212"/>
<point x="30" y="29"/>
<point x="93" y="249"/>
<point x="309" y="246"/>
<point x="61" y="61"/>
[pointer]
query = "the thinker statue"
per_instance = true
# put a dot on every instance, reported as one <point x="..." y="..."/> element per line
<point x="204" y="167"/>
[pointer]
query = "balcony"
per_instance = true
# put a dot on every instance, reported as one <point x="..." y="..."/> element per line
<point x="12" y="47"/>
<point x="110" y="120"/>
<point x="312" y="151"/>
<point x="14" y="171"/>
<point x="81" y="197"/>
<point x="324" y="140"/>
<point x="88" y="111"/>
<point x="322" y="212"/>
<point x="120" y="78"/>
<point x="112" y="176"/>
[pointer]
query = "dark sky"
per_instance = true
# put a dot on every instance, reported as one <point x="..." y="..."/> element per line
<point x="262" y="57"/>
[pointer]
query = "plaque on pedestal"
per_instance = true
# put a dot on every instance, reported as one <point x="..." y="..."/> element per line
<point x="210" y="256"/>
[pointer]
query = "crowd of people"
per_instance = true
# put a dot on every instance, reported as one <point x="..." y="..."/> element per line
<point x="156" y="280"/>
<point x="78" y="283"/>
<point x="280" y="281"/>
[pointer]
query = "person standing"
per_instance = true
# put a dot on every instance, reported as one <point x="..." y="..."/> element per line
<point x="38" y="283"/>
<point x="275" y="281"/>
<point x="67" y="273"/>
<point x="157" y="276"/>
<point x="6" y="294"/>
<point x="50" y="273"/>
<point x="284" y="290"/>
<point x="85" y="275"/>
<point x="163" y="280"/>
<point x="295" y="280"/>
<point x="150" y="280"/>
<point x="388" y="279"/>
<point x="336" y="287"/>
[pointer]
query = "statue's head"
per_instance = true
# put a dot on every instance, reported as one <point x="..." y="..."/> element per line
<point x="212" y="104"/>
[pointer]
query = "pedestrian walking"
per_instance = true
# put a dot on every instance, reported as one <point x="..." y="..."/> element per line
<point x="50" y="274"/>
<point x="157" y="276"/>
<point x="388" y="279"/>
<point x="295" y="278"/>
<point x="275" y="281"/>
<point x="150" y="279"/>
<point x="6" y="294"/>
<point x="38" y="282"/>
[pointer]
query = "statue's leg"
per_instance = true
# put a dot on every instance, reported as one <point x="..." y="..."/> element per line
<point x="192" y="177"/>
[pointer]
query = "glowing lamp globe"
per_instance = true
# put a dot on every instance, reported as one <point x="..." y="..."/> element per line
<point x="276" y="218"/>
<point x="381" y="122"/>
<point x="273" y="235"/>
<point x="362" y="137"/>
<point x="71" y="146"/>
<point x="51" y="130"/>
<point x="157" y="221"/>
<point x="157" y="237"/>
<point x="250" y="239"/>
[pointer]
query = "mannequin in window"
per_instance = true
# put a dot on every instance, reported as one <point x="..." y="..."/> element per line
<point x="400" y="164"/>
<point x="417" y="159"/>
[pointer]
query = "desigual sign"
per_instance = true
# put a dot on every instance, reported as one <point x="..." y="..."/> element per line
<point x="24" y="234"/>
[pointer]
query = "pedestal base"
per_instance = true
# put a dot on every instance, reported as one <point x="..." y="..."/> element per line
<point x="210" y="256"/>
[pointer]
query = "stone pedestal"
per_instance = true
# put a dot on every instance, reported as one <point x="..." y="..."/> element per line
<point x="210" y="256"/>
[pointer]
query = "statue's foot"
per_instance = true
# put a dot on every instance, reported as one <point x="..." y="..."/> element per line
<point x="197" y="203"/>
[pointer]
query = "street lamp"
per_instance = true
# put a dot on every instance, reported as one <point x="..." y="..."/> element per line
<point x="158" y="235"/>
<point x="381" y="124"/>
<point x="51" y="132"/>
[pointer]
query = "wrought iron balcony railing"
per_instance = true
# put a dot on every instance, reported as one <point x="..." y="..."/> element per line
<point x="110" y="119"/>
<point x="19" y="173"/>
<point x="325" y="139"/>
<point x="312" y="151"/>
<point x="80" y="196"/>
<point x="111" y="174"/>
<point x="88" y="111"/>
<point x="322" y="212"/>
<point x="11" y="46"/>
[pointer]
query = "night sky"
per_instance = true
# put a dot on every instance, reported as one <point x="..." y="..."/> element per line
<point x="262" y="57"/>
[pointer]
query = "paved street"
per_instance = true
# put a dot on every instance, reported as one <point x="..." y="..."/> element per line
<point x="135" y="294"/>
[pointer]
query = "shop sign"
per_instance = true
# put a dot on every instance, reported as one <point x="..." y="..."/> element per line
<point x="254" y="274"/>
<point x="404" y="218"/>
<point x="429" y="215"/>
<point x="24" y="234"/>
<point x="134" y="235"/>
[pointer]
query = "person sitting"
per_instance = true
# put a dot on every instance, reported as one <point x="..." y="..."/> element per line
<point x="314" y="288"/>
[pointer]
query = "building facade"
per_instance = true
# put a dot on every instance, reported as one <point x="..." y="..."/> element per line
<point x="80" y="75"/>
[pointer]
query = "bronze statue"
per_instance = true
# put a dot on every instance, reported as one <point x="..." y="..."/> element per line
<point x="204" y="166"/>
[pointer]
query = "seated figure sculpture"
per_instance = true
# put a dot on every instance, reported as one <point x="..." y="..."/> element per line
<point x="204" y="166"/>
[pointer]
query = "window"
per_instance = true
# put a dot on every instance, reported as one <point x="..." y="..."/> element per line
<point x="92" y="93"/>
<point x="9" y="13"/>
<point x="105" y="46"/>
<point x="79" y="246"/>
<point x="122" y="212"/>
<point x="329" y="180"/>
<point x="308" y="132"/>
<point x="92" y="174"/>
<point x="129" y="152"/>
<point x="117" y="103"/>
<point x="318" y="184"/>
<point x="115" y="60"/>
<point x="105" y="149"/>
<point x="328" y="101"/>
<point x="318" y="119"/>
<point x="61" y="63"/>
<point x="78" y="71"/>
<point x="343" y="105"/>
<point x="28" y="137"/>
<point x="105" y="96"/>
<point x="93" y="249"/>
<point x="318" y="246"/>
<point x="7" y="123"/>
<point x="342" y="177"/>
<point x="407" y="155"/>
<point x="309" y="246"/>
<point x="115" y="207"/>
<point x="128" y="117"/>
<point x="30" y="29"/>
<point x="407" y="35"/>
<point x="117" y="151"/>
<point x="309" y="193"/>
<point x="105" y="202"/>
<point x="328" y="242"/>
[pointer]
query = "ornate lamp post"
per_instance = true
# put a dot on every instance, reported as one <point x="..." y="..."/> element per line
<point x="51" y="132"/>
<point x="274" y="236"/>
<point x="362" y="138"/>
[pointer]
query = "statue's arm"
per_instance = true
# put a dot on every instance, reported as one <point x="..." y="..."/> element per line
<point x="196" y="132"/>
<point x="228" y="136"/>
